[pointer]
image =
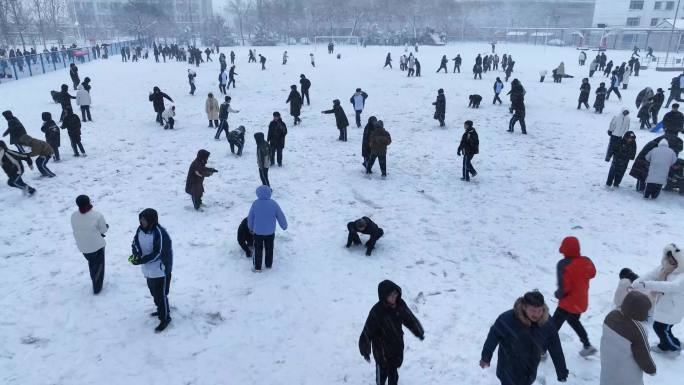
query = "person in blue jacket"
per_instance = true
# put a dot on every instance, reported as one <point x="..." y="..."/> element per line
<point x="523" y="334"/>
<point x="153" y="250"/>
<point x="261" y="222"/>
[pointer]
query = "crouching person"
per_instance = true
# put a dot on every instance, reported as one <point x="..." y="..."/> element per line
<point x="236" y="138"/>
<point x="14" y="168"/>
<point x="382" y="333"/>
<point x="625" y="353"/>
<point x="153" y="250"/>
<point x="522" y="335"/>
<point x="364" y="226"/>
<point x="42" y="150"/>
<point x="245" y="238"/>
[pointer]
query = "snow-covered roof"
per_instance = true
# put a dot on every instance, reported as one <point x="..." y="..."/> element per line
<point x="668" y="23"/>
<point x="516" y="33"/>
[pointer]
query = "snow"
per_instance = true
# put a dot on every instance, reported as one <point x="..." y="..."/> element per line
<point x="461" y="252"/>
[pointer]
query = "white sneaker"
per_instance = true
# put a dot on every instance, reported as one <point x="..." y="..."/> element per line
<point x="588" y="351"/>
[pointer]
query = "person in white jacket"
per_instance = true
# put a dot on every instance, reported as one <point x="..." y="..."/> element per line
<point x="619" y="125"/>
<point x="666" y="284"/>
<point x="168" y="117"/>
<point x="660" y="161"/>
<point x="83" y="100"/>
<point x="89" y="228"/>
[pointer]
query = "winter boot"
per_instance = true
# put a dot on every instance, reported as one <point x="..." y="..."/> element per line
<point x="162" y="325"/>
<point x="588" y="351"/>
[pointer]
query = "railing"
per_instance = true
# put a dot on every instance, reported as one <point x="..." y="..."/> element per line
<point x="671" y="64"/>
<point x="15" y="68"/>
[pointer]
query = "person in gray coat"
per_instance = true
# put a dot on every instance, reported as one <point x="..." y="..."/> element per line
<point x="660" y="161"/>
<point x="625" y="352"/>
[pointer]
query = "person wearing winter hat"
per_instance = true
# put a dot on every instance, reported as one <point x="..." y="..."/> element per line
<point x="51" y="130"/>
<point x="382" y="333"/>
<point x="152" y="248"/>
<point x="194" y="183"/>
<point x="15" y="130"/>
<point x="666" y="284"/>
<point x="261" y="222"/>
<point x="522" y="335"/>
<point x="89" y="228"/>
<point x="625" y="355"/>
<point x="340" y="119"/>
<point x="574" y="273"/>
<point x="236" y="138"/>
<point x="14" y="168"/>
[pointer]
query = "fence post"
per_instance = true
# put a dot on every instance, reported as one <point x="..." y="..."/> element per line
<point x="54" y="59"/>
<point x="28" y="63"/>
<point x="14" y="69"/>
<point x="42" y="64"/>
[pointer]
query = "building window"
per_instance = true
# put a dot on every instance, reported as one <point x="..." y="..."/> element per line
<point x="669" y="5"/>
<point x="636" y="4"/>
<point x="654" y="22"/>
<point x="658" y="5"/>
<point x="633" y="21"/>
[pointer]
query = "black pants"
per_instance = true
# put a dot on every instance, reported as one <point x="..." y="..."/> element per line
<point x="386" y="375"/>
<point x="76" y="144"/>
<point x="615" y="175"/>
<point x="457" y="68"/>
<point x="668" y="342"/>
<point x="613" y="89"/>
<point x="262" y="242"/>
<point x="85" y="113"/>
<point x="263" y="174"/>
<point x="192" y="88"/>
<point x="477" y="74"/>
<point x="387" y="64"/>
<point x="196" y="201"/>
<point x="411" y="72"/>
<point x="497" y="99"/>
<point x="222" y="127"/>
<point x="358" y="117"/>
<point x="444" y="68"/>
<point x="559" y="318"/>
<point x="96" y="265"/>
<point x="591" y="73"/>
<point x="276" y="155"/>
<point x="232" y="148"/>
<point x="41" y="163"/>
<point x="213" y="123"/>
<point x="222" y="88"/>
<point x="159" y="291"/>
<point x="229" y="82"/>
<point x="246" y="241"/>
<point x="382" y="159"/>
<point x="468" y="168"/>
<point x="644" y="123"/>
<point x="515" y="119"/>
<point x="343" y="133"/>
<point x="55" y="148"/>
<point x="614" y="140"/>
<point x="159" y="118"/>
<point x="652" y="190"/>
<point x="586" y="104"/>
<point x="169" y="123"/>
<point x="353" y="237"/>
<point x="305" y="94"/>
<point x="654" y="116"/>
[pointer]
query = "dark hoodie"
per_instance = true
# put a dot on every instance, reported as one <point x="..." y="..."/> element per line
<point x="51" y="130"/>
<point x="162" y="248"/>
<point x="14" y="127"/>
<point x="624" y="151"/>
<point x="263" y="151"/>
<point x="382" y="332"/>
<point x="367" y="131"/>
<point x="65" y="98"/>
<point x="157" y="98"/>
<point x="194" y="184"/>
<point x="340" y="116"/>
<point x="574" y="273"/>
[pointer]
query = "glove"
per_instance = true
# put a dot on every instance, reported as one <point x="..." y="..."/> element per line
<point x="609" y="133"/>
<point x="458" y="152"/>
<point x="133" y="260"/>
<point x="367" y="358"/>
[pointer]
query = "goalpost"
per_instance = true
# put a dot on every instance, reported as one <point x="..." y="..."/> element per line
<point x="348" y="40"/>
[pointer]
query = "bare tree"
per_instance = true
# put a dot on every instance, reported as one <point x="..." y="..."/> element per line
<point x="4" y="21"/>
<point x="39" y="8"/>
<point x="241" y="9"/>
<point x="141" y="18"/>
<point x="53" y="11"/>
<point x="20" y="19"/>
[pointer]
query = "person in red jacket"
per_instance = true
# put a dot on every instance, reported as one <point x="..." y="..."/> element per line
<point x="574" y="273"/>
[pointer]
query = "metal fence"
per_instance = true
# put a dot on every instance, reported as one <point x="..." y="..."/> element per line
<point x="15" y="68"/>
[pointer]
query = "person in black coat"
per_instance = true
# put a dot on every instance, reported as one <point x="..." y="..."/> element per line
<point x="277" y="131"/>
<point x="383" y="335"/>
<point x="388" y="61"/>
<point x="15" y="130"/>
<point x="340" y="119"/>
<point x="72" y="123"/>
<point x="600" y="101"/>
<point x="305" y="85"/>
<point x="457" y="63"/>
<point x="523" y="334"/>
<point x="231" y="76"/>
<point x="440" y="107"/>
<point x="245" y="238"/>
<point x="51" y="130"/>
<point x="73" y="73"/>
<point x="157" y="98"/>
<point x="443" y="65"/>
<point x="675" y="92"/>
<point x="624" y="151"/>
<point x="673" y="121"/>
<point x="364" y="226"/>
<point x="12" y="166"/>
<point x="65" y="101"/>
<point x="295" y="100"/>
<point x="585" y="90"/>
<point x="365" y="141"/>
<point x="469" y="147"/>
<point x="658" y="100"/>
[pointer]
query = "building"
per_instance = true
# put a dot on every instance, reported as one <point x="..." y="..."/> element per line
<point x="634" y="13"/>
<point x="97" y="19"/>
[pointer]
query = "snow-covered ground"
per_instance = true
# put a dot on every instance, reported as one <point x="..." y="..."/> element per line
<point x="461" y="252"/>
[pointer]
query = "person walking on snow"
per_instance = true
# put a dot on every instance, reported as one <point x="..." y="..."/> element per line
<point x="625" y="352"/>
<point x="358" y="100"/>
<point x="295" y="100"/>
<point x="152" y="249"/>
<point x="263" y="154"/>
<point x="15" y="130"/>
<point x="224" y="111"/>
<point x="284" y="57"/>
<point x="660" y="161"/>
<point x="666" y="284"/>
<point x="305" y="84"/>
<point x="157" y="98"/>
<point x="211" y="107"/>
<point x="574" y="273"/>
<point x="457" y="63"/>
<point x="443" y="65"/>
<point x="498" y="87"/>
<point x="64" y="99"/>
<point x="231" y="77"/>
<point x="72" y="124"/>
<point x="194" y="183"/>
<point x="51" y="130"/>
<point x="388" y="61"/>
<point x="363" y="225"/>
<point x="585" y="90"/>
<point x="469" y="147"/>
<point x="277" y="131"/>
<point x="522" y="335"/>
<point x="440" y="107"/>
<point x="236" y="138"/>
<point x="12" y="166"/>
<point x="382" y="333"/>
<point x="261" y="222"/>
<point x="365" y="141"/>
<point x="73" y="73"/>
<point x="262" y="60"/>
<point x="83" y="100"/>
<point x="600" y="101"/>
<point x="623" y="151"/>
<point x="340" y="119"/>
<point x="658" y="100"/>
<point x="89" y="228"/>
<point x="378" y="141"/>
<point x="223" y="79"/>
<point x="614" y="83"/>
<point x="191" y="80"/>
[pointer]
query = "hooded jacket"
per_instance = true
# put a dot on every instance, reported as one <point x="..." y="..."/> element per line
<point x="82" y="96"/>
<point x="157" y="98"/>
<point x="358" y="100"/>
<point x="574" y="273"/>
<point x="73" y="125"/>
<point x="367" y="131"/>
<point x="624" y="151"/>
<point x="14" y="127"/>
<point x="619" y="125"/>
<point x="194" y="183"/>
<point x="263" y="152"/>
<point x="521" y="343"/>
<point x="382" y="333"/>
<point x="661" y="159"/>
<point x="340" y="116"/>
<point x="153" y="248"/>
<point x="379" y="140"/>
<point x="668" y="287"/>
<point x="264" y="213"/>
<point x="470" y="143"/>
<point x="38" y="147"/>
<point x="440" y="105"/>
<point x="237" y="137"/>
<point x="51" y="130"/>
<point x="625" y="351"/>
<point x="277" y="131"/>
<point x="295" y="100"/>
<point x="673" y="122"/>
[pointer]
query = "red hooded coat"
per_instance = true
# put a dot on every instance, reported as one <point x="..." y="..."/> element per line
<point x="574" y="273"/>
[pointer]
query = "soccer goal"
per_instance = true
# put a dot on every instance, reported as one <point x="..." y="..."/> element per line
<point x="346" y="40"/>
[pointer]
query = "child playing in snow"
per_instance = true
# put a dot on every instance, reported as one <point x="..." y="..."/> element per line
<point x="168" y="115"/>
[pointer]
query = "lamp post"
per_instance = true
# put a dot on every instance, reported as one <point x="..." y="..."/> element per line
<point x="674" y="23"/>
